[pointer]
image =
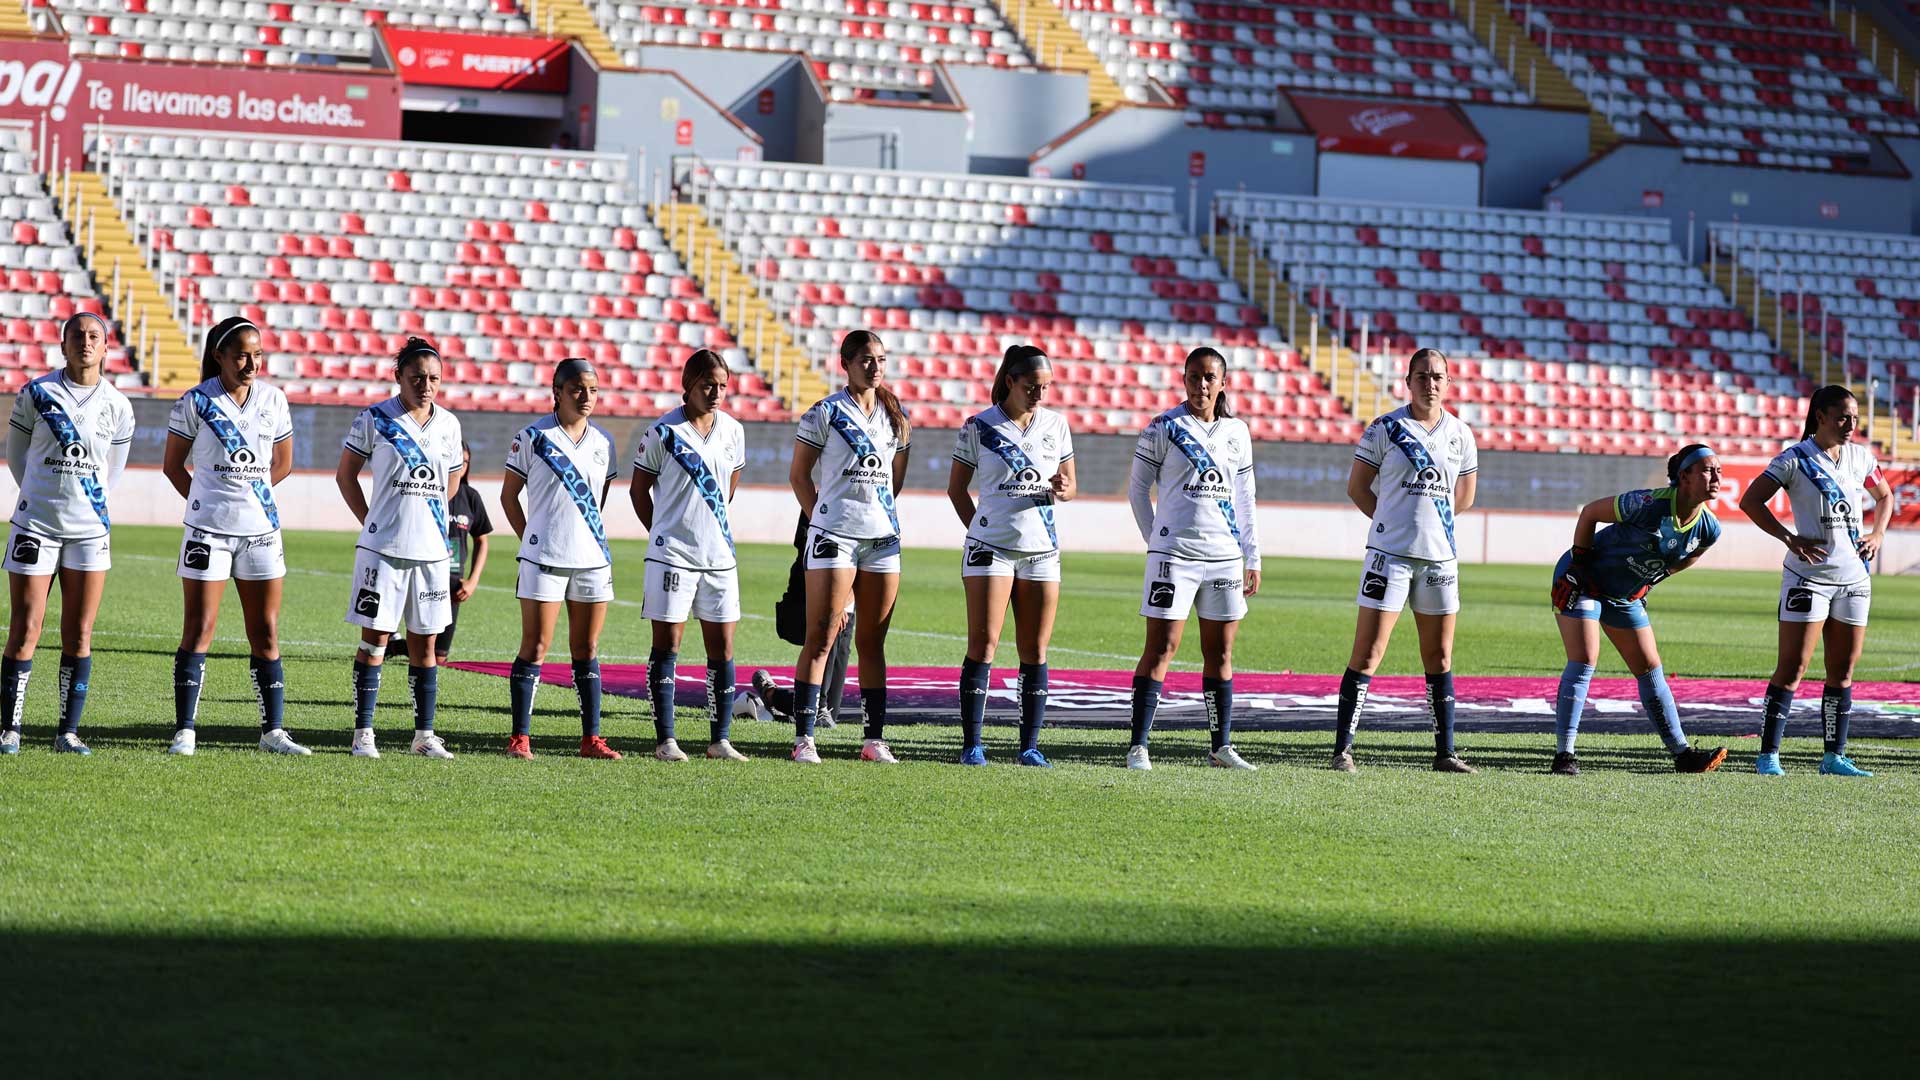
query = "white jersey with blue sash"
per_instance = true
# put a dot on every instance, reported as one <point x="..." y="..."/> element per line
<point x="693" y="480"/>
<point x="1419" y="468"/>
<point x="1827" y="497"/>
<point x="410" y="463"/>
<point x="854" y="476"/>
<point x="1204" y="472"/>
<point x="1014" y="467"/>
<point x="564" y="482"/>
<point x="71" y="434"/>
<point x="232" y="492"/>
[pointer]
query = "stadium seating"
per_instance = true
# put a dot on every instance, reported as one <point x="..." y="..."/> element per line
<point x="1773" y="83"/>
<point x="1563" y="320"/>
<point x="508" y="259"/>
<point x="257" y="32"/>
<point x="859" y="48"/>
<point x="1223" y="62"/>
<point x="42" y="281"/>
<point x="952" y="269"/>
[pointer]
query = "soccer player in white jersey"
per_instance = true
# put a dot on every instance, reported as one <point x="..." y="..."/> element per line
<point x="1203" y="548"/>
<point x="67" y="445"/>
<point x="1825" y="582"/>
<point x="1413" y="473"/>
<point x="565" y="464"/>
<point x="402" y="559"/>
<point x="685" y="472"/>
<point x="229" y="441"/>
<point x="1022" y="456"/>
<point x="849" y="458"/>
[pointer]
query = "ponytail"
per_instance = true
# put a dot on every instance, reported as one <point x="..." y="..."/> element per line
<point x="216" y="337"/>
<point x="850" y="347"/>
<point x="1221" y="406"/>
<point x="1823" y="399"/>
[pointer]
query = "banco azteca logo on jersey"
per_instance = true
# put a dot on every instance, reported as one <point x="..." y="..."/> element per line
<point x="421" y="479"/>
<point x="1025" y="481"/>
<point x="867" y="469"/>
<point x="1648" y="569"/>
<point x="72" y="459"/>
<point x="1208" y="483"/>
<point x="1839" y="513"/>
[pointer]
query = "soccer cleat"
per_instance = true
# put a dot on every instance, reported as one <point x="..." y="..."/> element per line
<point x="596" y="748"/>
<point x="1137" y="759"/>
<point x="805" y="752"/>
<point x="1451" y="763"/>
<point x="669" y="750"/>
<point x="183" y="742"/>
<point x="520" y="746"/>
<point x="1228" y="758"/>
<point x="69" y="743"/>
<point x="1565" y="764"/>
<point x="1695" y="760"/>
<point x="1343" y="762"/>
<point x="763" y="688"/>
<point x="973" y="755"/>
<point x="877" y="751"/>
<point x="429" y="745"/>
<point x="823" y="718"/>
<point x="724" y="751"/>
<point x="1034" y="758"/>
<point x="363" y="743"/>
<point x="277" y="741"/>
<point x="9" y="742"/>
<point x="1769" y="765"/>
<point x="1840" y="765"/>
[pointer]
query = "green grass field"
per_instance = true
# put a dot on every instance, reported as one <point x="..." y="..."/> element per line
<point x="239" y="914"/>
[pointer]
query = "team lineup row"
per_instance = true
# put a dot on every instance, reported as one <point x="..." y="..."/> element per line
<point x="1191" y="490"/>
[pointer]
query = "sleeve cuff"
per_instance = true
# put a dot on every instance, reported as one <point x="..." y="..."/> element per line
<point x="521" y="473"/>
<point x="350" y="448"/>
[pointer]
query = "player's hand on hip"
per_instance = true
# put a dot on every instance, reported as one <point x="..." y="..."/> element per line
<point x="1812" y="551"/>
<point x="1567" y="588"/>
<point x="1869" y="547"/>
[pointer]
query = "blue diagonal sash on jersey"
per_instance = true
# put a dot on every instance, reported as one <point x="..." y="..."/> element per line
<point x="702" y="478"/>
<point x="230" y="438"/>
<point x="1183" y="440"/>
<point x="1422" y="461"/>
<point x="1016" y="459"/>
<point x="1829" y="486"/>
<point x="413" y="457"/>
<point x="576" y="487"/>
<point x="862" y="447"/>
<point x="61" y="425"/>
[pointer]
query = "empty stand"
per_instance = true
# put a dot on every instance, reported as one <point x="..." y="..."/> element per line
<point x="253" y="32"/>
<point x="1225" y="62"/>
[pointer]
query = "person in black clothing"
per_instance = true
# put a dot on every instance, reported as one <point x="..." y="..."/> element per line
<point x="468" y="526"/>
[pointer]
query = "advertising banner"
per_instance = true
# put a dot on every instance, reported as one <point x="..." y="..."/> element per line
<point x="1391" y="129"/>
<point x="479" y="61"/>
<point x="38" y="80"/>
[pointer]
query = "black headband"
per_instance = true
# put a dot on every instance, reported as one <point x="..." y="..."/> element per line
<point x="416" y="350"/>
<point x="230" y="331"/>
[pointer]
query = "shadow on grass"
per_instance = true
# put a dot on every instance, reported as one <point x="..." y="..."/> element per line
<point x="285" y="1006"/>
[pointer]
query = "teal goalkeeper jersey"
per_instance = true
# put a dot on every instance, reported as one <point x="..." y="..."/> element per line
<point x="1647" y="542"/>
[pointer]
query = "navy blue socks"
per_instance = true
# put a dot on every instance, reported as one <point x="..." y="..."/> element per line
<point x="1574" y="680"/>
<point x="1146" y="702"/>
<point x="1773" y="718"/>
<point x="1440" y="711"/>
<point x="524" y="680"/>
<point x="13" y="691"/>
<point x="269" y="690"/>
<point x="586" y="685"/>
<point x="189" y="672"/>
<point x="873" y="711"/>
<point x="424" y="684"/>
<point x="663" y="666"/>
<point x="1353" y="698"/>
<point x="806" y="702"/>
<point x="1836" y="713"/>
<point x="1657" y="699"/>
<point x="75" y="673"/>
<point x="1033" y="704"/>
<point x="366" y="692"/>
<point x="975" y="676"/>
<point x="1219" y="695"/>
<point x="719" y="698"/>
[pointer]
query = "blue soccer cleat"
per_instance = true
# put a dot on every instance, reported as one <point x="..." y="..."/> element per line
<point x="69" y="743"/>
<point x="1032" y="756"/>
<point x="9" y="742"/>
<point x="973" y="755"/>
<point x="1838" y="765"/>
<point x="1769" y="765"/>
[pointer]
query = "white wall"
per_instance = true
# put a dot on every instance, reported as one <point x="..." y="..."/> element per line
<point x="1372" y="176"/>
<point x="767" y="514"/>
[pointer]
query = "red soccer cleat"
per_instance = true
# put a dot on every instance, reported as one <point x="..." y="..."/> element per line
<point x="520" y="746"/>
<point x="593" y="746"/>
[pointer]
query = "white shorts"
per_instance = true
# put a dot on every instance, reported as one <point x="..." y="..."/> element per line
<point x="1386" y="580"/>
<point x="551" y="584"/>
<point x="206" y="556"/>
<point x="985" y="560"/>
<point x="1175" y="586"/>
<point x="673" y="594"/>
<point x="826" y="551"/>
<point x="387" y="590"/>
<point x="38" y="556"/>
<point x="1810" y="601"/>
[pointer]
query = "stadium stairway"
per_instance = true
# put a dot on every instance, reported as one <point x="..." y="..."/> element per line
<point x="13" y="20"/>
<point x="140" y="307"/>
<point x="1874" y="43"/>
<point x="739" y="305"/>
<point x="1055" y="43"/>
<point x="573" y="19"/>
<point x="1531" y="67"/>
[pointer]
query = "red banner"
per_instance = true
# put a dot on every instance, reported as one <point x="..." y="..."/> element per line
<point x="38" y="80"/>
<point x="1391" y="129"/>
<point x="479" y="61"/>
<point x="1736" y="474"/>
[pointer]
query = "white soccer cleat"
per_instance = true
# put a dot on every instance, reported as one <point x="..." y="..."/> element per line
<point x="724" y="751"/>
<point x="183" y="743"/>
<point x="429" y="745"/>
<point x="277" y="741"/>
<point x="363" y="743"/>
<point x="1228" y="758"/>
<point x="805" y="752"/>
<point x="1137" y="759"/>
<point x="9" y="742"/>
<point x="877" y="751"/>
<point x="669" y="750"/>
